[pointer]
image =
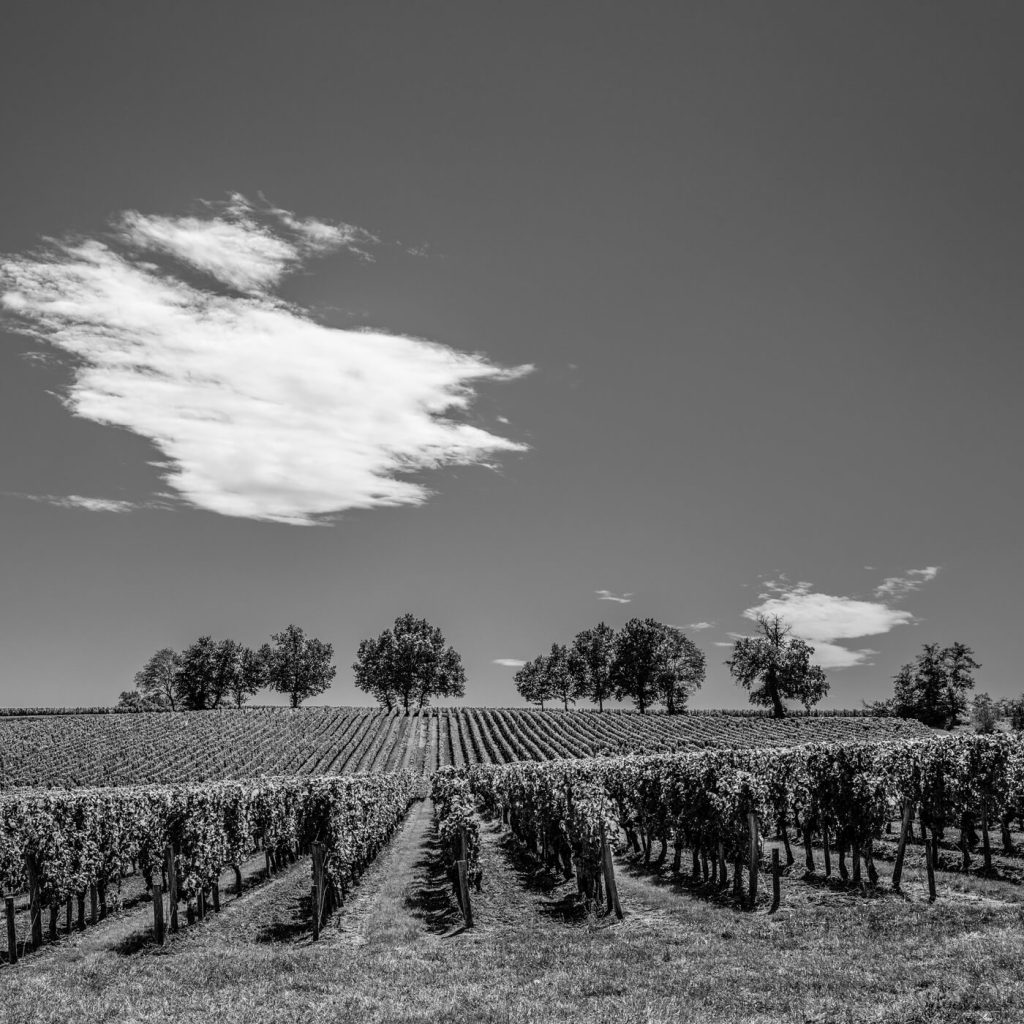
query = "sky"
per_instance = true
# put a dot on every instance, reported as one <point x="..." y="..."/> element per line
<point x="517" y="317"/>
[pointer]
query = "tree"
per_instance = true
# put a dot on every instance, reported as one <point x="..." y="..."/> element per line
<point x="1014" y="710"/>
<point x="781" y="663"/>
<point x="251" y="677"/>
<point x="155" y="680"/>
<point x="684" y="669"/>
<point x="560" y="683"/>
<point x="227" y="672"/>
<point x="133" y="700"/>
<point x="409" y="664"/>
<point x="984" y="713"/>
<point x="375" y="668"/>
<point x="198" y="684"/>
<point x="532" y="681"/>
<point x="933" y="687"/>
<point x="649" y="663"/>
<point x="590" y="663"/>
<point x="298" y="665"/>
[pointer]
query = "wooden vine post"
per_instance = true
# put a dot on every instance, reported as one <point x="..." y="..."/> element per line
<point x="158" y="912"/>
<point x="611" y="889"/>
<point x="901" y="849"/>
<point x="467" y="910"/>
<point x="930" y="864"/>
<point x="754" y="855"/>
<point x="12" y="934"/>
<point x="776" y="887"/>
<point x="462" y="867"/>
<point x="986" y="844"/>
<point x="317" y="889"/>
<point x="35" y="908"/>
<point x="172" y="886"/>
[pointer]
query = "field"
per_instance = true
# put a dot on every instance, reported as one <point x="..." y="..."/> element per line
<point x="122" y="750"/>
<point x="687" y="948"/>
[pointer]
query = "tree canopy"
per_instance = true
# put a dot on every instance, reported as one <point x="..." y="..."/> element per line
<point x="201" y="680"/>
<point x="590" y="663"/>
<point x="251" y="677"/>
<point x="155" y="681"/>
<point x="532" y="681"/>
<point x="409" y="664"/>
<point x="298" y="665"/>
<point x="560" y="682"/>
<point x="685" y="669"/>
<point x="933" y="687"/>
<point x="653" y="663"/>
<point x="780" y="663"/>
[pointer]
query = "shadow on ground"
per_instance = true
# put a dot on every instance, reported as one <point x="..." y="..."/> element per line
<point x="431" y="898"/>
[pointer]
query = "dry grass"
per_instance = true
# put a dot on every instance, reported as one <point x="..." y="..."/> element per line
<point x="829" y="955"/>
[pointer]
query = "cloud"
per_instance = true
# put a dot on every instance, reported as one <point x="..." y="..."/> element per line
<point x="260" y="411"/>
<point x="701" y="625"/>
<point x="78" y="501"/>
<point x="510" y="662"/>
<point x="895" y="587"/>
<point x="607" y="595"/>
<point x="724" y="643"/>
<point x="821" y="619"/>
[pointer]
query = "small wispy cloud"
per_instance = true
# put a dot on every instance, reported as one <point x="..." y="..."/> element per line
<point x="80" y="501"/>
<point x="510" y="662"/>
<point x="259" y="410"/>
<point x="822" y="619"/>
<point x="895" y="587"/>
<point x="701" y="625"/>
<point x="607" y="595"/>
<point x="724" y="643"/>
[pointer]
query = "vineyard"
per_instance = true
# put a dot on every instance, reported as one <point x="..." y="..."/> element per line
<point x="722" y="805"/>
<point x="61" y="845"/>
<point x="176" y="747"/>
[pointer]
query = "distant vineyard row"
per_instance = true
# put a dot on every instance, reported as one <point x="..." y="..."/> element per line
<point x="120" y="709"/>
<point x="118" y="750"/>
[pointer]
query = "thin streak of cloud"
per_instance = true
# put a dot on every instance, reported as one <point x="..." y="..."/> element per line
<point x="701" y="625"/>
<point x="607" y="595"/>
<point x="895" y="587"/>
<point x="259" y="411"/>
<point x="510" y="662"/>
<point x="79" y="501"/>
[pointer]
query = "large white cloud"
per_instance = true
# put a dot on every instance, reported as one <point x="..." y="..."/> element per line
<point x="822" y="619"/>
<point x="261" y="411"/>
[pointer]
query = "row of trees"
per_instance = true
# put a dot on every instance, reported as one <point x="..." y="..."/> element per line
<point x="646" y="662"/>
<point x="224" y="673"/>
